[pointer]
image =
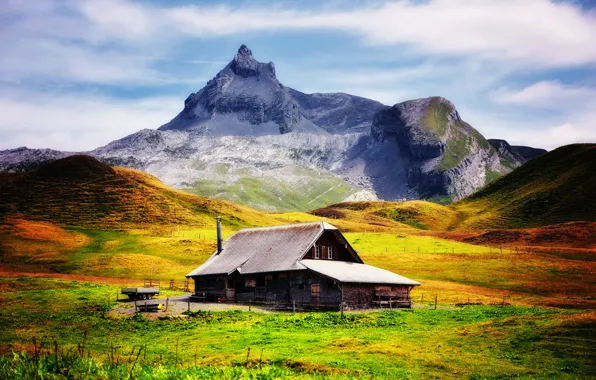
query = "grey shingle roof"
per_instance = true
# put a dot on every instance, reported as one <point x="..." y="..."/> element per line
<point x="346" y="272"/>
<point x="264" y="249"/>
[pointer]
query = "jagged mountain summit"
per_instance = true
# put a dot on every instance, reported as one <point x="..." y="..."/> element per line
<point x="244" y="99"/>
<point x="247" y="138"/>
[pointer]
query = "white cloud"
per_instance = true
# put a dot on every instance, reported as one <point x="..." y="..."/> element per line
<point x="548" y="94"/>
<point x="103" y="41"/>
<point x="118" y="42"/>
<point x="552" y="137"/>
<point x="77" y="121"/>
<point x="542" y="132"/>
<point x="117" y="19"/>
<point x="533" y="32"/>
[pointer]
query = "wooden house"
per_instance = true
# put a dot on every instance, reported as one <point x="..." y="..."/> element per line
<point x="310" y="265"/>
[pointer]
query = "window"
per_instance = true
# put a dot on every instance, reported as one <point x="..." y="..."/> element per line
<point x="330" y="253"/>
<point x="317" y="252"/>
<point x="250" y="283"/>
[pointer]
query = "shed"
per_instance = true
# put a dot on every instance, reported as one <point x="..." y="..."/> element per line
<point x="311" y="265"/>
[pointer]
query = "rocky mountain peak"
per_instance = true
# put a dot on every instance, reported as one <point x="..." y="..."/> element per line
<point x="245" y="65"/>
<point x="244" y="51"/>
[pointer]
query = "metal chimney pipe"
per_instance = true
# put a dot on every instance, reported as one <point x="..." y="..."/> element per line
<point x="219" y="238"/>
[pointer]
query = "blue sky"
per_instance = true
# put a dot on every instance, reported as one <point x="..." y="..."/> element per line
<point x="75" y="75"/>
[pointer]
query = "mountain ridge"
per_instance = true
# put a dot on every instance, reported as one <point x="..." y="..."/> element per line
<point x="247" y="138"/>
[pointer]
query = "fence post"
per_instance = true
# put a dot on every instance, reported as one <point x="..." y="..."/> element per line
<point x="422" y="300"/>
<point x="293" y="306"/>
<point x="249" y="305"/>
<point x="135" y="305"/>
<point x="436" y="297"/>
<point x="188" y="304"/>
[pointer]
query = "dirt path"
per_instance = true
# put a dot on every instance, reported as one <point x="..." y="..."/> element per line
<point x="176" y="306"/>
<point x="9" y="272"/>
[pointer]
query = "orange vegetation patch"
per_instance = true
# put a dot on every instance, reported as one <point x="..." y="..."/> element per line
<point x="6" y="272"/>
<point x="567" y="235"/>
<point x="450" y="293"/>
<point x="46" y="232"/>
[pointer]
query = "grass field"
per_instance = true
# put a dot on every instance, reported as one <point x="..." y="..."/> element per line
<point x="117" y="226"/>
<point x="473" y="342"/>
<point x="450" y="269"/>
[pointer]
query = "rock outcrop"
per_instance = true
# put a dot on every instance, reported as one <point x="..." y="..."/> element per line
<point x="528" y="152"/>
<point x="445" y="155"/>
<point x="337" y="113"/>
<point x="508" y="156"/>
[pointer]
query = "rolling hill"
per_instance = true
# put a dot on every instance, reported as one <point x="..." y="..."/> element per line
<point x="80" y="192"/>
<point x="79" y="216"/>
<point x="555" y="187"/>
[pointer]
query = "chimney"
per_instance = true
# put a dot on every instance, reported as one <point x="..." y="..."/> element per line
<point x="219" y="239"/>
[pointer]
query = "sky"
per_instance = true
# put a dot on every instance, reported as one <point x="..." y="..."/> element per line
<point x="75" y="75"/>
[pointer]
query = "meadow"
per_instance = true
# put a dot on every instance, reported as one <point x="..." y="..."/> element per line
<point x="515" y="302"/>
<point x="450" y="342"/>
<point x="449" y="269"/>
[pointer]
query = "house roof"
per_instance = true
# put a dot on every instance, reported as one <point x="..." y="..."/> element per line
<point x="264" y="249"/>
<point x="343" y="271"/>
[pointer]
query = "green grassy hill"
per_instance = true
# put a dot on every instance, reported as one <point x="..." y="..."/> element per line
<point x="556" y="187"/>
<point x="81" y="192"/>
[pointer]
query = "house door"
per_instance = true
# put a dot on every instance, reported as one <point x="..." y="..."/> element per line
<point x="315" y="294"/>
<point x="230" y="290"/>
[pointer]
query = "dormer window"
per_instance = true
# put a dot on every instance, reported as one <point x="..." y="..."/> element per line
<point x="330" y="253"/>
<point x="317" y="252"/>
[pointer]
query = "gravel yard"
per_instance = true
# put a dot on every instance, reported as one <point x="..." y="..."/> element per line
<point x="176" y="306"/>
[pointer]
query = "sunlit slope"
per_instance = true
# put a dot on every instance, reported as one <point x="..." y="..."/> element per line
<point x="417" y="214"/>
<point x="556" y="187"/>
<point x="80" y="192"/>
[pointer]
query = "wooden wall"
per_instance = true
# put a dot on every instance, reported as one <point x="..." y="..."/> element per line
<point x="330" y="239"/>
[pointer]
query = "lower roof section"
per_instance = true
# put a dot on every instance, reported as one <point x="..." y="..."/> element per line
<point x="344" y="271"/>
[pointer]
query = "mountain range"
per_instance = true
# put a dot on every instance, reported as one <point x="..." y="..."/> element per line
<point x="246" y="137"/>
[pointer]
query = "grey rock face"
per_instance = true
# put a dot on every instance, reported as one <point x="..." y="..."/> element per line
<point x="337" y="112"/>
<point x="404" y="122"/>
<point x="24" y="159"/>
<point x="507" y="155"/>
<point x="245" y="98"/>
<point x="528" y="152"/>
<point x="445" y="155"/>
